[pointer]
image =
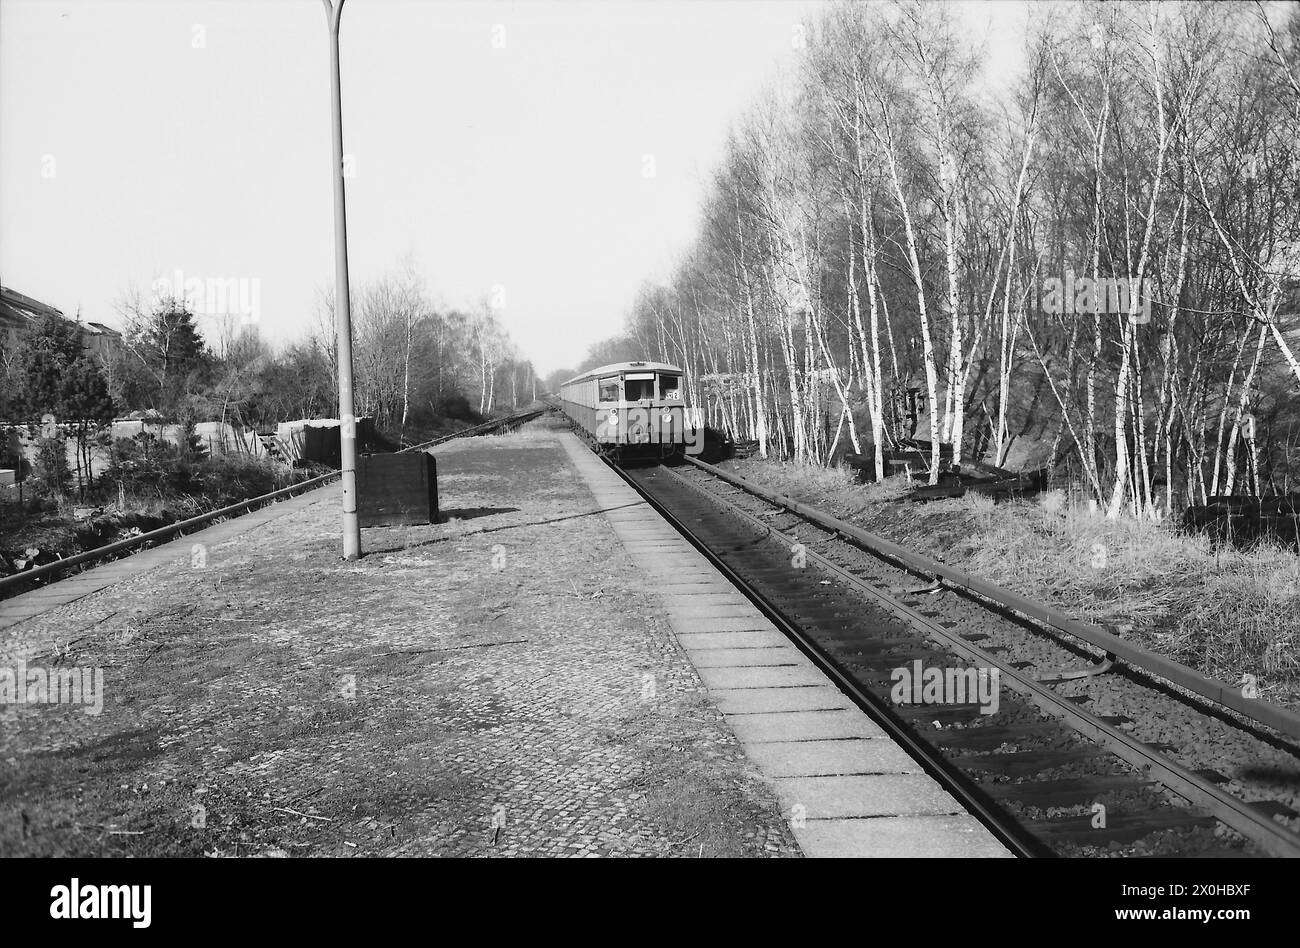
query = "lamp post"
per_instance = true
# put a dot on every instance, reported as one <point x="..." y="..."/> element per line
<point x="342" y="303"/>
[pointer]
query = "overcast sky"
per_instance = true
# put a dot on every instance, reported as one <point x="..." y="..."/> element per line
<point x="505" y="146"/>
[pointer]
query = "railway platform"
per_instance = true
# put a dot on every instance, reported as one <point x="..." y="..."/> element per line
<point x="846" y="789"/>
<point x="548" y="671"/>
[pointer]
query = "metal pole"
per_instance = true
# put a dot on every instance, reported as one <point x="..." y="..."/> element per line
<point x="342" y="305"/>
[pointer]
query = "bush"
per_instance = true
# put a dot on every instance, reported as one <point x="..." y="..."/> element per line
<point x="227" y="478"/>
<point x="143" y="465"/>
<point x="457" y="407"/>
<point x="53" y="476"/>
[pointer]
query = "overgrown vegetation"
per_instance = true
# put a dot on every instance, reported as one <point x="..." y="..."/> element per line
<point x="1094" y="269"/>
<point x="415" y="364"/>
<point x="148" y="483"/>
<point x="1226" y="612"/>
<point x="420" y="372"/>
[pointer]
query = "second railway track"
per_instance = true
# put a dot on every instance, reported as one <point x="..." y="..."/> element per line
<point x="1087" y="754"/>
<point x="53" y="572"/>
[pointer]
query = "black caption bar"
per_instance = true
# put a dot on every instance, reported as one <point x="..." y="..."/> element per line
<point x="147" y="898"/>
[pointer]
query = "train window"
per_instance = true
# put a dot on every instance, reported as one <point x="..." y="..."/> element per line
<point x="636" y="387"/>
<point x="669" y="386"/>
<point x="609" y="389"/>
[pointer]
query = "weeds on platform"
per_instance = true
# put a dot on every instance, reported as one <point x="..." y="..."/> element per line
<point x="527" y="435"/>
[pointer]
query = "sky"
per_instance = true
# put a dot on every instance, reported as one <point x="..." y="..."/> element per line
<point x="550" y="156"/>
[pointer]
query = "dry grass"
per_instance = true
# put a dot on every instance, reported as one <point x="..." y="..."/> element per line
<point x="1226" y="612"/>
<point x="527" y="436"/>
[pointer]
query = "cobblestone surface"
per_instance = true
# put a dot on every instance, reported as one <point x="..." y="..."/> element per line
<point x="497" y="684"/>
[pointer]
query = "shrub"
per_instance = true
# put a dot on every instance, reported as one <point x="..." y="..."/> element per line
<point x="146" y="464"/>
<point x="53" y="477"/>
<point x="226" y="478"/>
<point x="457" y="407"/>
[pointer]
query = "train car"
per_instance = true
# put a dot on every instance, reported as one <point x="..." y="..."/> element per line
<point x="633" y="410"/>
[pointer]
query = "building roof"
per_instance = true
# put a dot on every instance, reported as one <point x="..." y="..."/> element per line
<point x="19" y="312"/>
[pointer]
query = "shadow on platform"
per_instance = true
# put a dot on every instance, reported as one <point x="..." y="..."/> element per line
<point x="471" y="513"/>
<point x="486" y="511"/>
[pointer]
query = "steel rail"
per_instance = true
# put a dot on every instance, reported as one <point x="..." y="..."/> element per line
<point x="1225" y="807"/>
<point x="496" y="425"/>
<point x="161" y="533"/>
<point x="931" y="759"/>
<point x="232" y="510"/>
<point x="1281" y="719"/>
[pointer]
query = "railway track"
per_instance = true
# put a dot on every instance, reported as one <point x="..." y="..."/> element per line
<point x="1094" y="748"/>
<point x="52" y="572"/>
<point x="498" y="426"/>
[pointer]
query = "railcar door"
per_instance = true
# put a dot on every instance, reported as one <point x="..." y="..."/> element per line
<point x="605" y="418"/>
<point x="671" y="411"/>
<point x="639" y="397"/>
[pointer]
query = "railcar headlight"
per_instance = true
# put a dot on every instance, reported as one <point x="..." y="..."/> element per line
<point x="613" y="416"/>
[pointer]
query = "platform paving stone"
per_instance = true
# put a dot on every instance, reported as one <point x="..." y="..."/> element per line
<point x="682" y="589"/>
<point x="813" y="697"/>
<point x="711" y="641"/>
<point x="709" y="606"/>
<point x="784" y="676"/>
<point x="679" y="573"/>
<point x="866" y="795"/>
<point x="740" y="657"/>
<point x="686" y="625"/>
<point x="803" y="726"/>
<point x="819" y="751"/>
<point x="900" y="837"/>
<point x="499" y="684"/>
<point x="826" y="758"/>
<point x="686" y="583"/>
<point x="709" y="613"/>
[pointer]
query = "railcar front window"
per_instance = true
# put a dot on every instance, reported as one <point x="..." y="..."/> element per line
<point x="669" y="387"/>
<point x="636" y="389"/>
<point x="609" y="390"/>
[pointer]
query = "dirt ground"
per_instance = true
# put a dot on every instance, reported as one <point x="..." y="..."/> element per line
<point x="496" y="684"/>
